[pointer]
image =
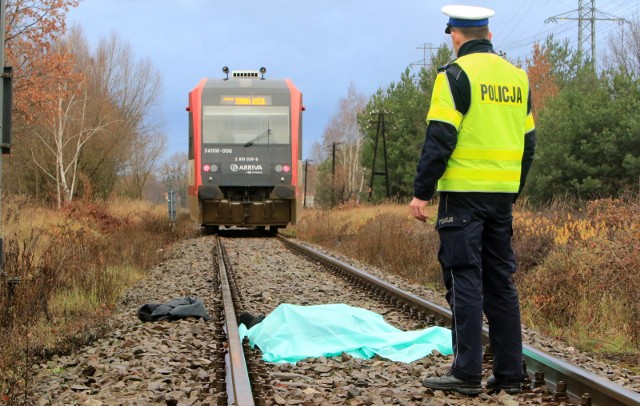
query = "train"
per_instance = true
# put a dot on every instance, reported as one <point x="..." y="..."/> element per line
<point x="245" y="151"/>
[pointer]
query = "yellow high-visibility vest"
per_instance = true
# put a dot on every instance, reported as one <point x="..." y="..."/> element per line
<point x="488" y="153"/>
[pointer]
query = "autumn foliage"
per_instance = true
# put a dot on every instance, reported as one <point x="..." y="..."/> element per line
<point x="81" y="117"/>
<point x="32" y="27"/>
<point x="541" y="79"/>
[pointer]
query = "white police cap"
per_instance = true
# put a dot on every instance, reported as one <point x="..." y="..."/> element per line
<point x="466" y="16"/>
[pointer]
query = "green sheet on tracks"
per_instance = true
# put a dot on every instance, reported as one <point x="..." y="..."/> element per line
<point x="292" y="333"/>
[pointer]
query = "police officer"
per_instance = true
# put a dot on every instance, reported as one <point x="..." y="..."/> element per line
<point x="478" y="149"/>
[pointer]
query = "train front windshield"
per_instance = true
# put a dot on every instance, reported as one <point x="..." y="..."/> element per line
<point x="246" y="125"/>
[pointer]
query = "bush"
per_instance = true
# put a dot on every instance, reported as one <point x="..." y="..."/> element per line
<point x="588" y="286"/>
<point x="71" y="266"/>
<point x="578" y="265"/>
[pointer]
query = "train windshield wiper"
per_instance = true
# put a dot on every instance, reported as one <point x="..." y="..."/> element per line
<point x="265" y="133"/>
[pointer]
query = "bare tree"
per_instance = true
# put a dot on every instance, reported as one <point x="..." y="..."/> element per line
<point x="99" y="121"/>
<point x="174" y="175"/>
<point x="624" y="49"/>
<point x="343" y="129"/>
<point x="318" y="154"/>
<point x="64" y="127"/>
<point x="143" y="158"/>
<point x="133" y="147"/>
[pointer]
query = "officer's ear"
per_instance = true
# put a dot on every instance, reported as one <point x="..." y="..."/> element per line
<point x="489" y="35"/>
<point x="456" y="36"/>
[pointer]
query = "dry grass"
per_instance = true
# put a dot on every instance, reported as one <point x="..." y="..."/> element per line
<point x="578" y="267"/>
<point x="587" y="285"/>
<point x="384" y="235"/>
<point x="70" y="267"/>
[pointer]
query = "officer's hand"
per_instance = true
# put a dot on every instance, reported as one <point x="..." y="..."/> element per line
<point x="417" y="209"/>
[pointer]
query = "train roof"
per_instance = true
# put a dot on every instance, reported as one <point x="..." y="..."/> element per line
<point x="245" y="82"/>
<point x="236" y="83"/>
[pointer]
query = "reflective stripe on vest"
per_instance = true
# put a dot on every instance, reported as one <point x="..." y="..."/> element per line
<point x="442" y="105"/>
<point x="488" y="153"/>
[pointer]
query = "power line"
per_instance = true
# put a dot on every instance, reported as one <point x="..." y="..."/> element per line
<point x="512" y="23"/>
<point x="528" y="41"/>
<point x="587" y="16"/>
<point x="424" y="62"/>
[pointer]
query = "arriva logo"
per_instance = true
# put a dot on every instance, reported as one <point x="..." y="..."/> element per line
<point x="250" y="167"/>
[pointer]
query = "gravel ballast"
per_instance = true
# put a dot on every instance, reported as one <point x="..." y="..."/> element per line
<point x="170" y="362"/>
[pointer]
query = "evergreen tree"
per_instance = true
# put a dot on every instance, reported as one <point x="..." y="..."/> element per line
<point x="405" y="105"/>
<point x="589" y="138"/>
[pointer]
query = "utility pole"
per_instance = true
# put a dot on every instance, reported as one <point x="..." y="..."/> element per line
<point x="306" y="169"/>
<point x="587" y="16"/>
<point x="333" y="169"/>
<point x="380" y="131"/>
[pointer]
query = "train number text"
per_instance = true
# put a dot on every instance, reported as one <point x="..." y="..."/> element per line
<point x="218" y="151"/>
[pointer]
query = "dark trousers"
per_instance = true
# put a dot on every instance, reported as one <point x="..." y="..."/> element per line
<point x="478" y="262"/>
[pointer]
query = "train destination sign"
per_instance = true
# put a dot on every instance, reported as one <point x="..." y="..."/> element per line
<point x="245" y="100"/>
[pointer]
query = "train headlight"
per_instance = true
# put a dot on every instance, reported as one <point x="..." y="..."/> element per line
<point x="206" y="168"/>
<point x="214" y="168"/>
<point x="278" y="168"/>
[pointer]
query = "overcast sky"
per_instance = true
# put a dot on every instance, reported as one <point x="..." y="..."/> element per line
<point x="322" y="46"/>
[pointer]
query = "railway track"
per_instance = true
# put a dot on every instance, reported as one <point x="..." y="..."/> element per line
<point x="203" y="363"/>
<point x="549" y="378"/>
<point x="238" y="388"/>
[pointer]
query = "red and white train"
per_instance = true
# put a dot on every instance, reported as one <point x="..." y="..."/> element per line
<point x="245" y="151"/>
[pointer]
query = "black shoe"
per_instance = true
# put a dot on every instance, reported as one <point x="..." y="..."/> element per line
<point x="249" y="320"/>
<point x="451" y="383"/>
<point x="510" y="388"/>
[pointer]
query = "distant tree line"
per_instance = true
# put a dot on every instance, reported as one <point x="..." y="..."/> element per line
<point x="84" y="120"/>
<point x="587" y="123"/>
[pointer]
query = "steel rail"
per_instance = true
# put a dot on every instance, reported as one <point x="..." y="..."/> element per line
<point x="578" y="380"/>
<point x="238" y="384"/>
